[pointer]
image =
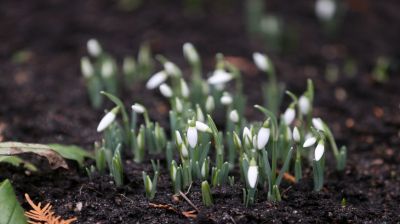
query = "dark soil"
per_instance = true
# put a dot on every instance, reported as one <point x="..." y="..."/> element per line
<point x="43" y="100"/>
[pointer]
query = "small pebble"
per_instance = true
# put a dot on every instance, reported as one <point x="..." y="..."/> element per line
<point x="78" y="207"/>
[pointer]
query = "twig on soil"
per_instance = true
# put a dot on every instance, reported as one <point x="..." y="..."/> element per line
<point x="127" y="198"/>
<point x="286" y="190"/>
<point x="188" y="200"/>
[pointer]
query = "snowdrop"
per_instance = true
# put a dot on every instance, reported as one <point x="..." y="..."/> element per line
<point x="138" y="108"/>
<point x="309" y="142"/>
<point x="261" y="61"/>
<point x="296" y="135"/>
<point x="289" y="115"/>
<point x="226" y="98"/>
<point x="172" y="69"/>
<point x="199" y="113"/>
<point x="318" y="124"/>
<point x="234" y="116"/>
<point x="93" y="47"/>
<point x="263" y="135"/>
<point x="319" y="150"/>
<point x="178" y="105"/>
<point x="203" y="127"/>
<point x="184" y="89"/>
<point x="107" y="69"/>
<point x="220" y="77"/>
<point x="86" y="68"/>
<point x="304" y="105"/>
<point x="252" y="174"/>
<point x="107" y="119"/>
<point x="192" y="134"/>
<point x="156" y="80"/>
<point x="325" y="9"/>
<point x="178" y="137"/>
<point x="210" y="104"/>
<point x="165" y="90"/>
<point x="247" y="133"/>
<point x="190" y="53"/>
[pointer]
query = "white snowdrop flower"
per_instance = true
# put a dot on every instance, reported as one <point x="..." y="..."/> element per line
<point x="325" y="9"/>
<point x="184" y="89"/>
<point x="178" y="138"/>
<point x="165" y="90"/>
<point x="246" y="133"/>
<point x="192" y="135"/>
<point x="220" y="86"/>
<point x="318" y="123"/>
<point x="86" y="67"/>
<point x="138" y="108"/>
<point x="184" y="151"/>
<point x="289" y="115"/>
<point x="234" y="116"/>
<point x="199" y="113"/>
<point x="93" y="47"/>
<point x="263" y="137"/>
<point x="296" y="135"/>
<point x="156" y="80"/>
<point x="172" y="69"/>
<point x="319" y="150"/>
<point x="226" y="99"/>
<point x="309" y="142"/>
<point x="107" y="69"/>
<point x="190" y="53"/>
<point x="252" y="174"/>
<point x="304" y="104"/>
<point x="261" y="61"/>
<point x="178" y="105"/>
<point x="220" y="77"/>
<point x="210" y="104"/>
<point x="107" y="119"/>
<point x="203" y="127"/>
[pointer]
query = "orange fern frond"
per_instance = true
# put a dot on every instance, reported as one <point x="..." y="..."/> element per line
<point x="45" y="215"/>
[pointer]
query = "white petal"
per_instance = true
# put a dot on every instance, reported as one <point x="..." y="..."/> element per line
<point x="296" y="134"/>
<point x="309" y="142"/>
<point x="199" y="113"/>
<point x="263" y="137"/>
<point x="190" y="53"/>
<point x="220" y="77"/>
<point x="178" y="137"/>
<point x="319" y="151"/>
<point x="210" y="104"/>
<point x="107" y="69"/>
<point x="304" y="104"/>
<point x="261" y="61"/>
<point x="184" y="89"/>
<point x="318" y="124"/>
<point x="86" y="68"/>
<point x="252" y="175"/>
<point x="246" y="133"/>
<point x="156" y="80"/>
<point x="226" y="99"/>
<point x="289" y="115"/>
<point x="202" y="127"/>
<point x="166" y="90"/>
<point x="138" y="108"/>
<point x="192" y="136"/>
<point x="106" y="121"/>
<point x="325" y="9"/>
<point x="171" y="69"/>
<point x="234" y="116"/>
<point x="94" y="47"/>
<point x="184" y="151"/>
<point x="178" y="105"/>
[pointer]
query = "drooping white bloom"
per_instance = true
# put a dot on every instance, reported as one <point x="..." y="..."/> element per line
<point x="107" y="119"/>
<point x="184" y="89"/>
<point x="296" y="135"/>
<point x="226" y="98"/>
<point x="220" y="77"/>
<point x="318" y="123"/>
<point x="304" y="105"/>
<point x="190" y="53"/>
<point x="86" y="68"/>
<point x="202" y="127"/>
<point x="107" y="69"/>
<point x="252" y="174"/>
<point x="192" y="136"/>
<point x="247" y="134"/>
<point x="156" y="80"/>
<point x="178" y="137"/>
<point x="309" y="142"/>
<point x="289" y="115"/>
<point x="172" y="69"/>
<point x="263" y="137"/>
<point x="234" y="116"/>
<point x="319" y="150"/>
<point x="325" y="9"/>
<point x="261" y="61"/>
<point x="138" y="108"/>
<point x="210" y="104"/>
<point x="184" y="151"/>
<point x="178" y="105"/>
<point x="93" y="47"/>
<point x="199" y="113"/>
<point x="165" y="90"/>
